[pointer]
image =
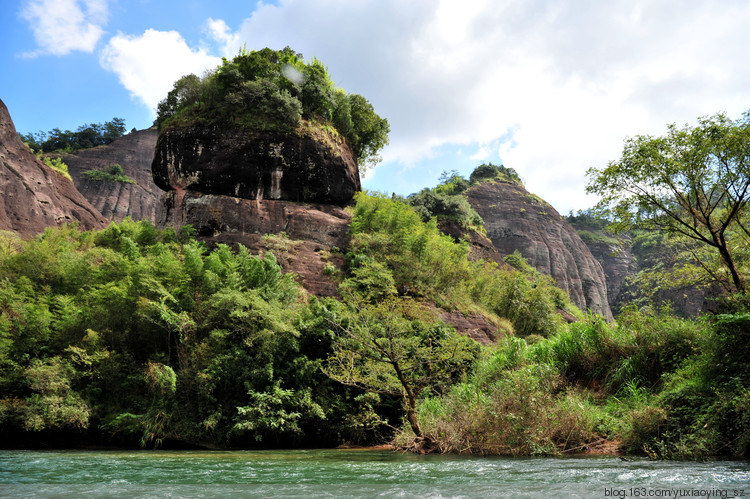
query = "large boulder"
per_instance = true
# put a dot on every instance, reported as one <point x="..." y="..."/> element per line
<point x="517" y="220"/>
<point x="134" y="152"/>
<point x="33" y="196"/>
<point x="315" y="166"/>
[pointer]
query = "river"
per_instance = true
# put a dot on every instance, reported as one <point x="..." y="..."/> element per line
<point x="356" y="473"/>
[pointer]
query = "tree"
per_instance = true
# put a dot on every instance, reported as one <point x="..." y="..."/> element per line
<point x="693" y="182"/>
<point x="393" y="348"/>
<point x="370" y="131"/>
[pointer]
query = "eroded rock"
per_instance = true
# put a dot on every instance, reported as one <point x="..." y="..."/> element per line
<point x="314" y="168"/>
<point x="32" y="195"/>
<point x="117" y="200"/>
<point x="517" y="220"/>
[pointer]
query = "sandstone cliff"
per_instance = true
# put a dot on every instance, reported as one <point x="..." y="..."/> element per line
<point x="234" y="186"/>
<point x="316" y="168"/>
<point x="622" y="261"/>
<point x="32" y="195"/>
<point x="617" y="261"/>
<point x="518" y="220"/>
<point x="117" y="200"/>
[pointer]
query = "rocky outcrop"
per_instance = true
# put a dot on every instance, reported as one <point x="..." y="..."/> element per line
<point x="316" y="167"/>
<point x="616" y="258"/>
<point x="620" y="265"/>
<point x="517" y="220"/>
<point x="32" y="195"/>
<point x="480" y="246"/>
<point x="213" y="215"/>
<point x="117" y="200"/>
<point x="235" y="187"/>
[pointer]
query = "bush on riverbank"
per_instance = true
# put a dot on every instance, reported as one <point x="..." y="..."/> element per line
<point x="663" y="386"/>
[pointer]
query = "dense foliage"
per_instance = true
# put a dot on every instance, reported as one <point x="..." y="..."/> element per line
<point x="275" y="90"/>
<point x="133" y="335"/>
<point x="85" y="136"/>
<point x="654" y="384"/>
<point x="114" y="173"/>
<point x="425" y="263"/>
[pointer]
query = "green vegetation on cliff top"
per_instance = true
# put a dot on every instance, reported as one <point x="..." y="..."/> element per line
<point x="274" y="90"/>
<point x="85" y="136"/>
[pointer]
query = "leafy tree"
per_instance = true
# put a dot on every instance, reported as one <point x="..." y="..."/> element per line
<point x="85" y="136"/>
<point x="395" y="348"/>
<point x="183" y="91"/>
<point x="694" y="182"/>
<point x="370" y="131"/>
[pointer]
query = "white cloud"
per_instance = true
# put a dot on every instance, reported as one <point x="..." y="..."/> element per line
<point x="62" y="26"/>
<point x="149" y="64"/>
<point x="555" y="87"/>
<point x="569" y="80"/>
<point x="218" y="31"/>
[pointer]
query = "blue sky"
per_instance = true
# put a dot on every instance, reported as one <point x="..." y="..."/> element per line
<point x="548" y="87"/>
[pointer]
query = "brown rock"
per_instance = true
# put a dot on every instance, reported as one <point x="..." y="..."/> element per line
<point x="481" y="247"/>
<point x="617" y="261"/>
<point x="619" y="265"/>
<point x="117" y="200"/>
<point x="32" y="195"/>
<point x="212" y="215"/>
<point x="518" y="220"/>
<point x="316" y="168"/>
<point x="474" y="326"/>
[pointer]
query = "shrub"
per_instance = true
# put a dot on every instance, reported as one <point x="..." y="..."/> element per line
<point x="57" y="165"/>
<point x="115" y="173"/>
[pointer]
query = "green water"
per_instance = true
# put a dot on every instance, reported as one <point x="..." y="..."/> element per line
<point x="342" y="473"/>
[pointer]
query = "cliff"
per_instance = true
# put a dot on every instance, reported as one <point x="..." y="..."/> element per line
<point x="314" y="167"/>
<point x="32" y="195"/>
<point x="117" y="200"/>
<point x="517" y="220"/>
<point x="617" y="261"/>
<point x="234" y="186"/>
<point x="621" y="260"/>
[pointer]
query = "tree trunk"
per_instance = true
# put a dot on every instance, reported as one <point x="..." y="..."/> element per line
<point x="411" y="416"/>
<point x="410" y="401"/>
<point x="737" y="278"/>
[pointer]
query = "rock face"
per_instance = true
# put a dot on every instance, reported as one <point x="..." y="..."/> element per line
<point x="480" y="246"/>
<point x="32" y="195"/>
<point x="212" y="215"/>
<point x="617" y="262"/>
<point x="251" y="165"/>
<point x="117" y="200"/>
<point x="620" y="264"/>
<point x="518" y="220"/>
<point x="234" y="187"/>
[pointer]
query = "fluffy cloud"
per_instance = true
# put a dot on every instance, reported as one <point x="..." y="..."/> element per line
<point x="149" y="64"/>
<point x="561" y="83"/>
<point x="219" y="31"/>
<point x="62" y="26"/>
